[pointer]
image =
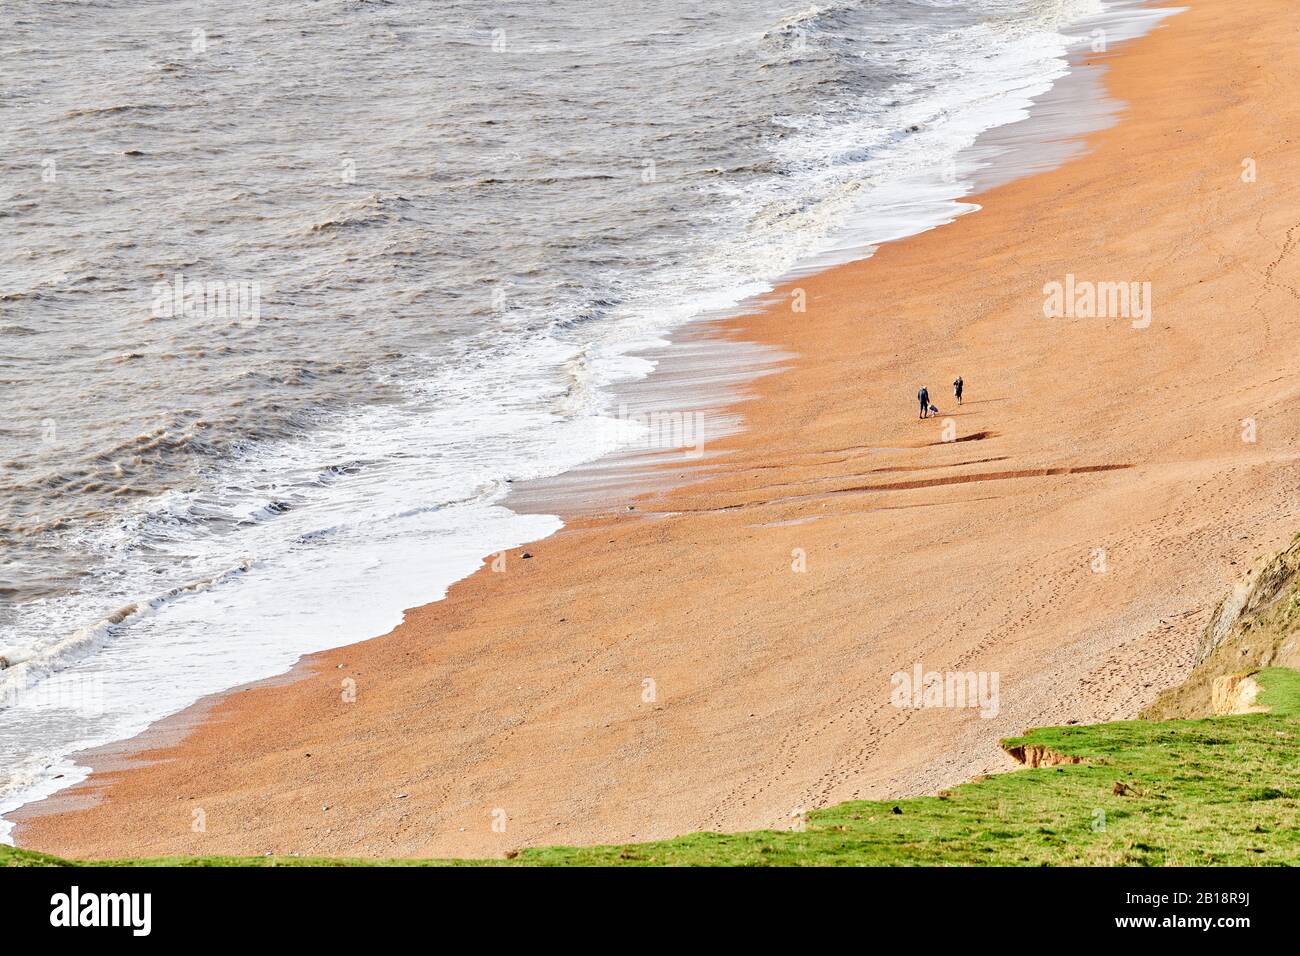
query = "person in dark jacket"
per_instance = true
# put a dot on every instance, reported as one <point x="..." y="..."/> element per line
<point x="924" y="396"/>
<point x="957" y="387"/>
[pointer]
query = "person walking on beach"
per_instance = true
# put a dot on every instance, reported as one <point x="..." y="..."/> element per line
<point x="956" y="388"/>
<point x="924" y="396"/>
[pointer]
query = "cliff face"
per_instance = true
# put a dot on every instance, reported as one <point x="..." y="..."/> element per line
<point x="1036" y="755"/>
<point x="1257" y="625"/>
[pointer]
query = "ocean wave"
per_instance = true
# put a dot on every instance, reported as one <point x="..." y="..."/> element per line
<point x="813" y="17"/>
<point x="120" y="108"/>
<point x="23" y="667"/>
<point x="373" y="210"/>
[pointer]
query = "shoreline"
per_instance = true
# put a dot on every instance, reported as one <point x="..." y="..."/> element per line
<point x="816" y="462"/>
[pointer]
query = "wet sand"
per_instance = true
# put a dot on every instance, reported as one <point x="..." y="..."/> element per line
<point x="720" y="657"/>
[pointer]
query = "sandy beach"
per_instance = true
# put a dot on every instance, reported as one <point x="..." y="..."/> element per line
<point x="719" y="655"/>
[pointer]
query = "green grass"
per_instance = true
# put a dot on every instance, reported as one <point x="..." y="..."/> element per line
<point x="1214" y="791"/>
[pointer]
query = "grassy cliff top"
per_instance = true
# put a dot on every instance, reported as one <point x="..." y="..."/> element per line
<point x="1212" y="791"/>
